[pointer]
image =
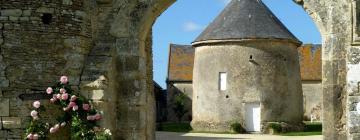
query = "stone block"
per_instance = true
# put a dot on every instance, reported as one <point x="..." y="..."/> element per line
<point x="354" y="121"/>
<point x="67" y="2"/>
<point x="45" y="10"/>
<point x="130" y="117"/>
<point x="4" y="107"/>
<point x="26" y="13"/>
<point x="132" y="63"/>
<point x="12" y="18"/>
<point x="3" y="134"/>
<point x="103" y="1"/>
<point x="24" y="18"/>
<point x="35" y="18"/>
<point x="96" y="94"/>
<point x="11" y="12"/>
<point x="4" y="18"/>
<point x="4" y="82"/>
<point x="80" y="14"/>
<point x="11" y="122"/>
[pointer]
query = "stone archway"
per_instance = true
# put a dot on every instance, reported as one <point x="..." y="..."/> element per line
<point x="131" y="74"/>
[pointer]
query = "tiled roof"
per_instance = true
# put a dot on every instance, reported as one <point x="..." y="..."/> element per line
<point x="246" y="19"/>
<point x="181" y="62"/>
<point x="310" y="62"/>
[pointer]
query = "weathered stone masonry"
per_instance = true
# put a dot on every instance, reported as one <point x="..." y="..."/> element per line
<point x="40" y="40"/>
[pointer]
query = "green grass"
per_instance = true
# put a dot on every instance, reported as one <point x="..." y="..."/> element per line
<point x="301" y="133"/>
<point x="175" y="127"/>
<point x="310" y="129"/>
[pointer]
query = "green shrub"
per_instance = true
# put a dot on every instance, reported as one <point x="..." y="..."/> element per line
<point x="179" y="106"/>
<point x="237" y="128"/>
<point x="275" y="126"/>
<point x="174" y="127"/>
<point x="313" y="127"/>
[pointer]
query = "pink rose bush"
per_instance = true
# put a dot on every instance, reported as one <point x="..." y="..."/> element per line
<point x="36" y="104"/>
<point x="78" y="113"/>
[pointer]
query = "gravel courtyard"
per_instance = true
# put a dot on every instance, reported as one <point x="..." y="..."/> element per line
<point x="208" y="136"/>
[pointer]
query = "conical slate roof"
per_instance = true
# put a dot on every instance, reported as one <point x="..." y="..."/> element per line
<point x="246" y="19"/>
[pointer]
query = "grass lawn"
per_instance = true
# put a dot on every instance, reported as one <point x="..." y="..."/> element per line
<point x="301" y="133"/>
<point x="314" y="128"/>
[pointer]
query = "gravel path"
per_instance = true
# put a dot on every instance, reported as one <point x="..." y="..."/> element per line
<point x="208" y="136"/>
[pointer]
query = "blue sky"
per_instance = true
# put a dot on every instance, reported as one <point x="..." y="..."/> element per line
<point x="186" y="19"/>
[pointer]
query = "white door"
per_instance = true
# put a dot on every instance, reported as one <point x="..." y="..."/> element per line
<point x="252" y="117"/>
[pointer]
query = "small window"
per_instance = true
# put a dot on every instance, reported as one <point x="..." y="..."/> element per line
<point x="46" y="18"/>
<point x="222" y="81"/>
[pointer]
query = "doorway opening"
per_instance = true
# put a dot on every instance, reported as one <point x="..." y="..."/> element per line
<point x="185" y="20"/>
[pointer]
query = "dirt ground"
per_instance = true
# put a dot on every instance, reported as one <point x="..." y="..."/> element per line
<point x="208" y="136"/>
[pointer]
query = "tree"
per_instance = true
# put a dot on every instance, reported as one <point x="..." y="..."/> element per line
<point x="179" y="106"/>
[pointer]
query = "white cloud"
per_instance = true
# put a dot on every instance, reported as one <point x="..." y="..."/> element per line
<point x="192" y="26"/>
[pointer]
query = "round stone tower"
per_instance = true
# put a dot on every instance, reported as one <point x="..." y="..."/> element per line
<point x="246" y="70"/>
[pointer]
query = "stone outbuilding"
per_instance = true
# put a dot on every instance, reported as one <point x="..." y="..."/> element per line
<point x="310" y="68"/>
<point x="181" y="60"/>
<point x="179" y="80"/>
<point x="246" y="70"/>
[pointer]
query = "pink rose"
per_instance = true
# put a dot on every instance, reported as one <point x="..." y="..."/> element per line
<point x="36" y="104"/>
<point x="65" y="96"/>
<point x="63" y="124"/>
<point x="86" y="107"/>
<point x="35" y="136"/>
<point x="73" y="98"/>
<point x="72" y="104"/>
<point x="58" y="96"/>
<point x="90" y="118"/>
<point x="53" y="100"/>
<point x="34" y="113"/>
<point x="49" y="90"/>
<point x="75" y="108"/>
<point x="57" y="126"/>
<point x="97" y="116"/>
<point x="30" y="136"/>
<point x="62" y="90"/>
<point x="64" y="79"/>
<point x="53" y="130"/>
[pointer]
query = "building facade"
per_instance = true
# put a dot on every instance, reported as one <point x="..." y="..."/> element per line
<point x="310" y="67"/>
<point x="179" y="81"/>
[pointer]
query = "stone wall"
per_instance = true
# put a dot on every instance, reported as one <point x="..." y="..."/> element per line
<point x="39" y="42"/>
<point x="334" y="20"/>
<point x="312" y="91"/>
<point x="174" y="89"/>
<point x="261" y="71"/>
